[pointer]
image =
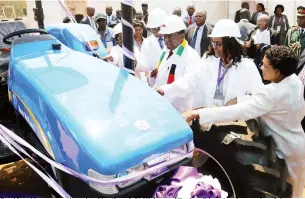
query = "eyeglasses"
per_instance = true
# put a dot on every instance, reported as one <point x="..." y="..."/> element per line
<point x="216" y="44"/>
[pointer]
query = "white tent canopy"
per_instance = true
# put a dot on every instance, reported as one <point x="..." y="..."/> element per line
<point x="215" y="9"/>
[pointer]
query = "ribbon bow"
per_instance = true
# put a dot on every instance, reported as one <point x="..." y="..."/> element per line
<point x="201" y="190"/>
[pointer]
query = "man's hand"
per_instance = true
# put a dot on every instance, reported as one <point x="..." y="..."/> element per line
<point x="110" y="59"/>
<point x="154" y="73"/>
<point x="160" y="90"/>
<point x="231" y="102"/>
<point x="190" y="115"/>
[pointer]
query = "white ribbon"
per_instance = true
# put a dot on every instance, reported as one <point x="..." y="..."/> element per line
<point x="12" y="141"/>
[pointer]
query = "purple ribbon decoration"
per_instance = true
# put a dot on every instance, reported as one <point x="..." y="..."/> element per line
<point x="202" y="189"/>
<point x="167" y="191"/>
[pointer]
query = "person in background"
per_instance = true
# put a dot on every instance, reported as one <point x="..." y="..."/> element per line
<point x="152" y="46"/>
<point x="104" y="31"/>
<point x="260" y="10"/>
<point x="111" y="19"/>
<point x="279" y="107"/>
<point x="118" y="16"/>
<point x="197" y="34"/>
<point x="190" y="15"/>
<point x="138" y="34"/>
<point x="244" y="24"/>
<point x="178" y="68"/>
<point x="138" y="18"/>
<point x="115" y="56"/>
<point x="279" y="22"/>
<point x="144" y="10"/>
<point x="262" y="35"/>
<point x="229" y="75"/>
<point x="177" y="11"/>
<point x="89" y="19"/>
<point x="79" y="18"/>
<point x="244" y="5"/>
<point x="138" y="41"/>
<point x="295" y="38"/>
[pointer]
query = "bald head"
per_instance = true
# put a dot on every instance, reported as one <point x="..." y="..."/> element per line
<point x="90" y="11"/>
<point x="109" y="10"/>
<point x="201" y="16"/>
<point x="177" y="11"/>
<point x="190" y="10"/>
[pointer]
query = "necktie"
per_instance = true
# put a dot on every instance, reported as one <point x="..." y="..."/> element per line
<point x="170" y="54"/>
<point x="191" y="20"/>
<point x="161" y="42"/>
<point x="193" y="43"/>
<point x="302" y="32"/>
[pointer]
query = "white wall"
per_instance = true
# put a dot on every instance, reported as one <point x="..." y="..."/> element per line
<point x="216" y="9"/>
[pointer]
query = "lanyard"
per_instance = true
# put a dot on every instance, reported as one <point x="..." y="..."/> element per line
<point x="220" y="78"/>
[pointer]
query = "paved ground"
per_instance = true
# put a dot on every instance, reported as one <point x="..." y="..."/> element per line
<point x="17" y="177"/>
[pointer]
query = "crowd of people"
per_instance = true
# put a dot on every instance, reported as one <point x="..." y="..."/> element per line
<point x="250" y="68"/>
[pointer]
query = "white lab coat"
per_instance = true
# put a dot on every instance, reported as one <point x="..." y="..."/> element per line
<point x="241" y="79"/>
<point x="181" y="92"/>
<point x="118" y="60"/>
<point x="117" y="53"/>
<point x="280" y="108"/>
<point x="149" y="57"/>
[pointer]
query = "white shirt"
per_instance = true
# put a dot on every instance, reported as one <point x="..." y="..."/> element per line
<point x="262" y="37"/>
<point x="149" y="57"/>
<point x="239" y="80"/>
<point x="198" y="39"/>
<point x="109" y="19"/>
<point x="181" y="92"/>
<point x="280" y="108"/>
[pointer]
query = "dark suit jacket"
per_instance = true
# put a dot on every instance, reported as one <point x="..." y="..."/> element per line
<point x="205" y="40"/>
<point x="254" y="17"/>
<point x="237" y="16"/>
<point x="85" y="20"/>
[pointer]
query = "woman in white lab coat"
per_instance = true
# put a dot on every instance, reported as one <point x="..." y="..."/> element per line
<point x="280" y="108"/>
<point x="115" y="56"/>
<point x="228" y="75"/>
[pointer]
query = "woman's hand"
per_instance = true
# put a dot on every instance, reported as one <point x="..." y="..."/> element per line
<point x="190" y="115"/>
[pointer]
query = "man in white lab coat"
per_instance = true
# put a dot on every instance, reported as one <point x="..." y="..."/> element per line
<point x="178" y="67"/>
<point x="228" y="75"/>
<point x="152" y="47"/>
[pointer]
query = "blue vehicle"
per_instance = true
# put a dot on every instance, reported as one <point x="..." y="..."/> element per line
<point x="91" y="117"/>
<point x="79" y="37"/>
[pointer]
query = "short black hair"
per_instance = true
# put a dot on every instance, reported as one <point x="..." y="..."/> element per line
<point x="283" y="59"/>
<point x="245" y="5"/>
<point x="261" y="5"/>
<point x="279" y="6"/>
